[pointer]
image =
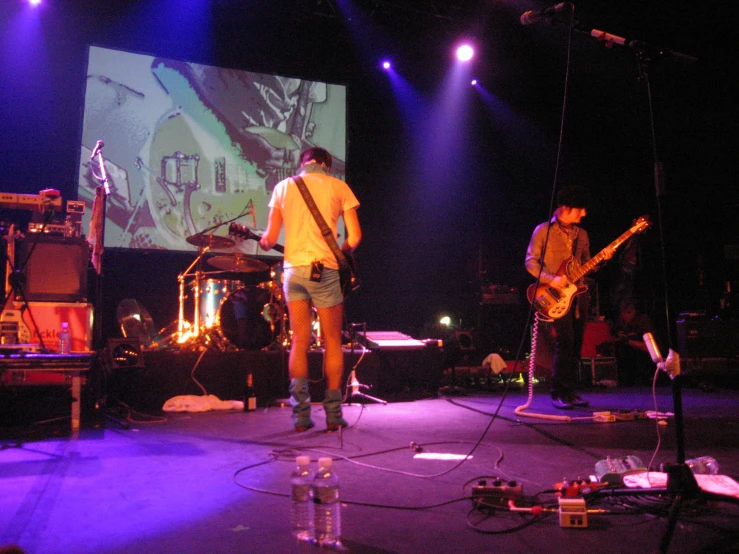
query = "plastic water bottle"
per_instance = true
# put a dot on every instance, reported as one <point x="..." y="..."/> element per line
<point x="301" y="516"/>
<point x="703" y="465"/>
<point x="65" y="339"/>
<point x="327" y="506"/>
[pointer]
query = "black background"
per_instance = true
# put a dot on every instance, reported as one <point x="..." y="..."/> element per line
<point x="427" y="247"/>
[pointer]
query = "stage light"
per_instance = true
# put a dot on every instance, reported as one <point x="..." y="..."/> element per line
<point x="386" y="65"/>
<point x="465" y="53"/>
<point x="124" y="353"/>
<point x="34" y="2"/>
<point x="446" y="321"/>
<point x="473" y="82"/>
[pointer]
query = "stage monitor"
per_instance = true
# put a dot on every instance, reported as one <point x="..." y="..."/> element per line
<point x="188" y="146"/>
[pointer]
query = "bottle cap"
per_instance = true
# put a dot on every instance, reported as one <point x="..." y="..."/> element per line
<point x="325" y="462"/>
<point x="303" y="460"/>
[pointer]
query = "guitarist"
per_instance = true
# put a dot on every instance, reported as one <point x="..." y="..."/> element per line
<point x="553" y="243"/>
<point x="311" y="275"/>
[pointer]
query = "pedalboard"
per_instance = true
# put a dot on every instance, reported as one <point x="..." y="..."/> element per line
<point x="496" y="492"/>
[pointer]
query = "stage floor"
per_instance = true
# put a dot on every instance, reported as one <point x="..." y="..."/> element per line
<point x="218" y="481"/>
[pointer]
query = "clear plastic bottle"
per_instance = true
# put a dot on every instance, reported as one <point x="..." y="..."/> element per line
<point x="327" y="505"/>
<point x="65" y="339"/>
<point x="301" y="515"/>
<point x="703" y="465"/>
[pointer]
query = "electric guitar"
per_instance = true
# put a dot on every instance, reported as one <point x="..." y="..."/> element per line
<point x="554" y="303"/>
<point x="13" y="327"/>
<point x="347" y="277"/>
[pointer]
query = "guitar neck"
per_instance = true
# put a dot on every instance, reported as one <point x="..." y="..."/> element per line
<point x="588" y="266"/>
<point x="252" y="235"/>
<point x="279" y="248"/>
<point x="246" y="233"/>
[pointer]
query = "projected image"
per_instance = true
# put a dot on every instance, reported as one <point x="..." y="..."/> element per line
<point x="190" y="147"/>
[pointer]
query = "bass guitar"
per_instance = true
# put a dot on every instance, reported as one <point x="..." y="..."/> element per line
<point x="554" y="303"/>
<point x="347" y="277"/>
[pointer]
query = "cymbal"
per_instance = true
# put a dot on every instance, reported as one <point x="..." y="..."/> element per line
<point x="213" y="241"/>
<point x="238" y="262"/>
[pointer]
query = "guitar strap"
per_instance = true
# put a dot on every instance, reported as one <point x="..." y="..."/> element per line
<point x="325" y="230"/>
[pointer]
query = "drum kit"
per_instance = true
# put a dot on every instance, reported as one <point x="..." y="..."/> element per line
<point x="237" y="306"/>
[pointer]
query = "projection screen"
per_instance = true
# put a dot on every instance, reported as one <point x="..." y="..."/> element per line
<point x="190" y="147"/>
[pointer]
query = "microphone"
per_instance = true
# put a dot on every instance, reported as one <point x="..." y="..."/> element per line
<point x="534" y="16"/>
<point x="652" y="347"/>
<point x="98" y="147"/>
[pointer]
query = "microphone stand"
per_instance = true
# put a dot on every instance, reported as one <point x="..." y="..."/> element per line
<point x="101" y="195"/>
<point x="353" y="386"/>
<point x="681" y="483"/>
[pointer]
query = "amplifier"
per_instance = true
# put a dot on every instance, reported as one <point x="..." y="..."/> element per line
<point x="49" y="317"/>
<point x="55" y="267"/>
<point x="711" y="338"/>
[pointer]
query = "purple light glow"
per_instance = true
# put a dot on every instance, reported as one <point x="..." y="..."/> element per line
<point x="465" y="53"/>
<point x="386" y="65"/>
<point x="34" y="2"/>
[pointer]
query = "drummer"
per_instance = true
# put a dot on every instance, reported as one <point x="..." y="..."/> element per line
<point x="311" y="275"/>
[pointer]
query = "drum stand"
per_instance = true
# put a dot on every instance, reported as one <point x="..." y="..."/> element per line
<point x="194" y="335"/>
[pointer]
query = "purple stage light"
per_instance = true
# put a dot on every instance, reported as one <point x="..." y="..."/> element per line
<point x="386" y="65"/>
<point x="465" y="53"/>
<point x="473" y="82"/>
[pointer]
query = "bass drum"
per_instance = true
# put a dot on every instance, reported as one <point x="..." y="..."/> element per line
<point x="240" y="318"/>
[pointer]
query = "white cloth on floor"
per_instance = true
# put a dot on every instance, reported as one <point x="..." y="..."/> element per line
<point x="193" y="403"/>
<point x="495" y="362"/>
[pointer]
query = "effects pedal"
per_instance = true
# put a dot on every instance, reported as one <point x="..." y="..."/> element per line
<point x="495" y="493"/>
<point x="573" y="513"/>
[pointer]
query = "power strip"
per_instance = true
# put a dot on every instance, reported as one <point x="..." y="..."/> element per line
<point x="495" y="493"/>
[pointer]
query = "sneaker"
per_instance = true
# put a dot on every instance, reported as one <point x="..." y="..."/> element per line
<point x="304" y="426"/>
<point x="561" y="404"/>
<point x="336" y="424"/>
<point x="575" y="400"/>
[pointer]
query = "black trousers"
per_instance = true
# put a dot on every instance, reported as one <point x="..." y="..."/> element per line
<point x="569" y="332"/>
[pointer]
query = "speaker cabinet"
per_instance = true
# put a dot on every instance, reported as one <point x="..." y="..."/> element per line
<point x="55" y="268"/>
<point x="708" y="338"/>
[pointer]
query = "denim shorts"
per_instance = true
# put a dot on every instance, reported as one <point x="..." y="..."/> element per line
<point x="324" y="294"/>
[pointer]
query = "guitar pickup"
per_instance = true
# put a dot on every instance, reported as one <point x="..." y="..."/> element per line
<point x="554" y="293"/>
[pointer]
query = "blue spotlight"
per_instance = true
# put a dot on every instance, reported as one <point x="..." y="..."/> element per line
<point x="473" y="82"/>
<point x="386" y="65"/>
<point x="465" y="53"/>
<point x="34" y="2"/>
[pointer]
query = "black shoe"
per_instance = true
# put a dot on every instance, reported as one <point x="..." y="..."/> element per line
<point x="575" y="400"/>
<point x="561" y="404"/>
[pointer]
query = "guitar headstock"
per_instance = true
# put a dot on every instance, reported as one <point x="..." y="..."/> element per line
<point x="640" y="225"/>
<point x="241" y="231"/>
